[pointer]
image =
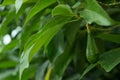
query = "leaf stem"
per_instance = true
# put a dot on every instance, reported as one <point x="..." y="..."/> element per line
<point x="88" y="29"/>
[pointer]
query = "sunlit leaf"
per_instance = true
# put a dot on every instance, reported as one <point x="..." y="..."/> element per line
<point x="39" y="6"/>
<point x="18" y="4"/>
<point x="62" y="10"/>
<point x="47" y="39"/>
<point x="95" y="13"/>
<point x="43" y="37"/>
<point x="7" y="2"/>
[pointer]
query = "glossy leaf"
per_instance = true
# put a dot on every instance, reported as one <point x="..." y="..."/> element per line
<point x="63" y="10"/>
<point x="91" y="50"/>
<point x="62" y="61"/>
<point x="95" y="13"/>
<point x="27" y="32"/>
<point x="48" y="39"/>
<point x="43" y="37"/>
<point x="39" y="6"/>
<point x="18" y="4"/>
<point x="110" y="59"/>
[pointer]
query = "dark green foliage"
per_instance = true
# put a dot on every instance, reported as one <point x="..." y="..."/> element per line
<point x="59" y="39"/>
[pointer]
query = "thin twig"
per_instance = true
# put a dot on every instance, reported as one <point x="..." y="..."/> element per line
<point x="111" y="4"/>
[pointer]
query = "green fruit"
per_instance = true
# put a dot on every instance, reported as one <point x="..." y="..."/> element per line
<point x="91" y="50"/>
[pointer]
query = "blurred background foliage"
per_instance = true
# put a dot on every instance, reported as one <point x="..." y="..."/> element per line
<point x="48" y="39"/>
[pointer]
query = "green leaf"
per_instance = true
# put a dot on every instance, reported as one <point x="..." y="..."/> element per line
<point x="12" y="45"/>
<point x="95" y="13"/>
<point x="76" y="5"/>
<point x="58" y="45"/>
<point x="9" y="17"/>
<point x="7" y="2"/>
<point x="8" y="64"/>
<point x="90" y="67"/>
<point x="110" y="59"/>
<point x="109" y="37"/>
<point x="30" y="72"/>
<point x="8" y="73"/>
<point x="10" y="2"/>
<point x="91" y="50"/>
<point x="63" y="10"/>
<point x="3" y="13"/>
<point x="70" y="31"/>
<point x="41" y="71"/>
<point x="27" y="31"/>
<point x="29" y="1"/>
<point x="39" y="6"/>
<point x="18" y="4"/>
<point x="62" y="61"/>
<point x="43" y="37"/>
